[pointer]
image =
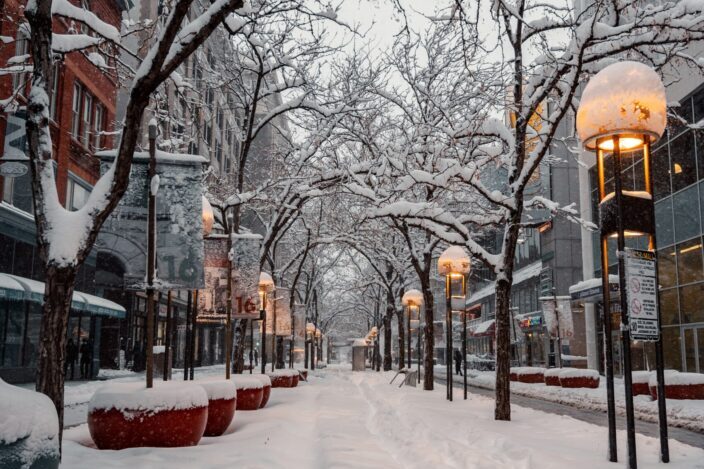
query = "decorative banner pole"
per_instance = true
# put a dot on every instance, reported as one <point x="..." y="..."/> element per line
<point x="266" y="283"/>
<point x="624" y="110"/>
<point x="454" y="265"/>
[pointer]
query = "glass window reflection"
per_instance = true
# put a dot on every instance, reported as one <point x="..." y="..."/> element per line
<point x="683" y="161"/>
<point x="689" y="261"/>
<point x="685" y="205"/>
<point x="691" y="305"/>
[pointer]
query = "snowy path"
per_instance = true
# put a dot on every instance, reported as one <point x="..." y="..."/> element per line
<point x="342" y="419"/>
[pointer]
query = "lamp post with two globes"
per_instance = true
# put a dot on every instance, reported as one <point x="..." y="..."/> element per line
<point x="623" y="110"/>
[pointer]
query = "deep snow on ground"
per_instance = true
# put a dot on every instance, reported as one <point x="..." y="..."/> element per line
<point x="346" y="419"/>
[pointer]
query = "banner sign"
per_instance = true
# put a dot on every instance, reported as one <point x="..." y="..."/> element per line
<point x="212" y="300"/>
<point x="558" y="320"/>
<point x="641" y="293"/>
<point x="179" y="225"/>
<point x="245" y="275"/>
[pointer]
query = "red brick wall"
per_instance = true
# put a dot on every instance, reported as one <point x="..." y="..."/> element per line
<point x="69" y="153"/>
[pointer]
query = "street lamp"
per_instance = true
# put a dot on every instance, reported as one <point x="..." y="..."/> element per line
<point x="412" y="300"/>
<point x="310" y="335"/>
<point x="455" y="266"/>
<point x="266" y="283"/>
<point x="208" y="217"/>
<point x="624" y="110"/>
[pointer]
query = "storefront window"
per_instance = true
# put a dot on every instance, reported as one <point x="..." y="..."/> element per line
<point x="671" y="347"/>
<point x="17" y="191"/>
<point x="12" y="332"/>
<point x="667" y="276"/>
<point x="661" y="172"/>
<point x="669" y="307"/>
<point x="686" y="209"/>
<point x="691" y="304"/>
<point x="689" y="261"/>
<point x="683" y="161"/>
<point x="663" y="222"/>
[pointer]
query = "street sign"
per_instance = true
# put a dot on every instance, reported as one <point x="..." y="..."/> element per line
<point x="641" y="288"/>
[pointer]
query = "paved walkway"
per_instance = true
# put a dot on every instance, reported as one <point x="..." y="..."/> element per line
<point x="591" y="416"/>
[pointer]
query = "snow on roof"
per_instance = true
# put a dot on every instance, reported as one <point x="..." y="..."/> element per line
<point x="591" y="283"/>
<point x="521" y="275"/>
<point x="161" y="156"/>
<point x="483" y="327"/>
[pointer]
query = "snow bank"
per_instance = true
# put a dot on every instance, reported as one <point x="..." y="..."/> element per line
<point x="27" y="420"/>
<point x="578" y="373"/>
<point x="669" y="375"/>
<point x="135" y="397"/>
<point x="248" y="382"/>
<point x="218" y="388"/>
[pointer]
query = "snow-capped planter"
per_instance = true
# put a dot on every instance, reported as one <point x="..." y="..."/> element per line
<point x="266" y="381"/>
<point x="679" y="385"/>
<point x="576" y="378"/>
<point x="552" y="376"/>
<point x="128" y="415"/>
<point x="527" y="374"/>
<point x="640" y="383"/>
<point x="653" y="382"/>
<point x="222" y="400"/>
<point x="250" y="392"/>
<point x="286" y="378"/>
<point x="29" y="429"/>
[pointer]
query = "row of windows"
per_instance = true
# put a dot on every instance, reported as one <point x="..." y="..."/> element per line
<point x="88" y="118"/>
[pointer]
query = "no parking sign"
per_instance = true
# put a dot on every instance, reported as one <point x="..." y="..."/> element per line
<point x="641" y="293"/>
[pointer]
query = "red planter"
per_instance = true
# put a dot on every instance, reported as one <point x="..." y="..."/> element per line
<point x="640" y="389"/>
<point x="115" y="429"/>
<point x="280" y="381"/>
<point x="250" y="398"/>
<point x="579" y="382"/>
<point x="221" y="412"/>
<point x="531" y="378"/>
<point x="513" y="376"/>
<point x="680" y="391"/>
<point x="266" y="393"/>
<point x="552" y="380"/>
<point x="294" y="381"/>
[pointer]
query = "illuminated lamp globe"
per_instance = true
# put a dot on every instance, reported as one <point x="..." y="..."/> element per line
<point x="454" y="260"/>
<point x="626" y="99"/>
<point x="208" y="217"/>
<point x="265" y="281"/>
<point x="310" y="328"/>
<point x="412" y="298"/>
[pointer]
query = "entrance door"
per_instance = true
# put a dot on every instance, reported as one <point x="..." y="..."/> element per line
<point x="693" y="349"/>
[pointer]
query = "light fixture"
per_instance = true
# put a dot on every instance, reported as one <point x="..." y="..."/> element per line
<point x="208" y="217"/>
<point x="625" y="99"/>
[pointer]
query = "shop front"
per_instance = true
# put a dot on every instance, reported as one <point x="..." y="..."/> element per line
<point x="535" y="344"/>
<point x="20" y="320"/>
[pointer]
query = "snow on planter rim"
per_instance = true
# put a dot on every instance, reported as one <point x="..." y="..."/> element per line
<point x="578" y="373"/>
<point x="247" y="382"/>
<point x="527" y="370"/>
<point x="135" y="397"/>
<point x="266" y="381"/>
<point x="31" y="415"/>
<point x="218" y="388"/>
<point x="682" y="379"/>
<point x="556" y="371"/>
<point x="640" y="377"/>
<point x="283" y="373"/>
<point x="669" y="374"/>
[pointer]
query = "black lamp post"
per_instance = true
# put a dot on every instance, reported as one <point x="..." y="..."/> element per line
<point x="454" y="265"/>
<point x="623" y="110"/>
<point x="266" y="283"/>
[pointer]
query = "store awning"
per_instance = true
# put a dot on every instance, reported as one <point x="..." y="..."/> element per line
<point x="484" y="329"/>
<point x="590" y="291"/>
<point x="17" y="288"/>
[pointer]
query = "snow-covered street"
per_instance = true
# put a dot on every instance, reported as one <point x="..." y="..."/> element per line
<point x="345" y="419"/>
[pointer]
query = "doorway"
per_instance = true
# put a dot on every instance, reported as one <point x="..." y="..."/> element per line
<point x="693" y="348"/>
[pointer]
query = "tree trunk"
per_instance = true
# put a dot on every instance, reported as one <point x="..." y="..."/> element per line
<point x="58" y="292"/>
<point x="401" y="340"/>
<point x="387" y="336"/>
<point x="240" y="335"/>
<point x="502" y="411"/>
<point x="429" y="339"/>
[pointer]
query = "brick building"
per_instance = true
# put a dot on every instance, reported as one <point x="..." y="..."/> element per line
<point x="82" y="110"/>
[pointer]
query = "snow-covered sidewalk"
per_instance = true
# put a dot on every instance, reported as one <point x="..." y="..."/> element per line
<point x="345" y="419"/>
<point x="687" y="414"/>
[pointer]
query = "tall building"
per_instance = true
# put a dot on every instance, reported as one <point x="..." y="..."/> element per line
<point x="82" y="111"/>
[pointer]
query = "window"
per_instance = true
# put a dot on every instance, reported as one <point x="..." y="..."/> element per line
<point x="54" y="92"/>
<point x="683" y="161"/>
<point x="98" y="126"/>
<point x="77" y="192"/>
<point x="76" y="108"/>
<point x="686" y="209"/>
<point x="667" y="273"/>
<point x="21" y="49"/>
<point x="661" y="172"/>
<point x="17" y="191"/>
<point x="87" y="119"/>
<point x="692" y="308"/>
<point x="689" y="261"/>
<point x="663" y="222"/>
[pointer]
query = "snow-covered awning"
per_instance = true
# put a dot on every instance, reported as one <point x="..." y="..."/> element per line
<point x="589" y="291"/>
<point x="521" y="275"/>
<point x="485" y="328"/>
<point x="17" y="288"/>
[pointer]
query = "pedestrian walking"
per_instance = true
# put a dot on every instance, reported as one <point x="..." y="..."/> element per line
<point x="71" y="357"/>
<point x="256" y="357"/>
<point x="458" y="362"/>
<point x="85" y="359"/>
